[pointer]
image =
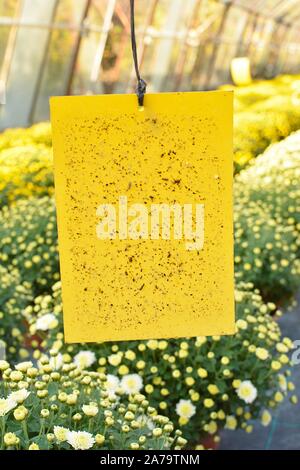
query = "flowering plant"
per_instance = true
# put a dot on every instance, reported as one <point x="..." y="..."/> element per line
<point x="272" y="181"/>
<point x="25" y="171"/>
<point x="39" y="134"/>
<point x="201" y="383"/>
<point x="14" y="297"/>
<point x="267" y="220"/>
<point x="62" y="406"/>
<point x="266" y="252"/>
<point x="28" y="241"/>
<point x="265" y="113"/>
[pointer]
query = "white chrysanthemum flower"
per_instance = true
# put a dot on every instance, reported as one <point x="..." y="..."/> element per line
<point x="262" y="353"/>
<point x="19" y="396"/>
<point x="266" y="418"/>
<point x="112" y="385"/>
<point x="56" y="362"/>
<point x="115" y="359"/>
<point x="185" y="409"/>
<point x="46" y="322"/>
<point x="246" y="391"/>
<point x="282" y="382"/>
<point x="6" y="405"/>
<point x="146" y="421"/>
<point x="84" y="359"/>
<point x="81" y="440"/>
<point x="3" y="365"/>
<point x="131" y="384"/>
<point x="241" y="324"/>
<point x="231" y="423"/>
<point x="61" y="433"/>
<point x="23" y="366"/>
<point x="90" y="410"/>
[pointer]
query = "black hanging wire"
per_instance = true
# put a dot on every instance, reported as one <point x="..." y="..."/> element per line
<point x="141" y="84"/>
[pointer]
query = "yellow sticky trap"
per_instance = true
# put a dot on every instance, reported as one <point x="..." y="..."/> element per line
<point x="144" y="205"/>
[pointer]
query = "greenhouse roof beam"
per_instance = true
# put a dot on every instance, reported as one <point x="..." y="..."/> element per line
<point x="279" y="14"/>
<point x="83" y="28"/>
<point x="95" y="72"/>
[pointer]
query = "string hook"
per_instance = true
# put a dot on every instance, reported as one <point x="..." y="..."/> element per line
<point x="141" y="84"/>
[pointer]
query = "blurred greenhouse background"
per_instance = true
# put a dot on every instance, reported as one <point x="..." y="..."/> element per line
<point x="58" y="47"/>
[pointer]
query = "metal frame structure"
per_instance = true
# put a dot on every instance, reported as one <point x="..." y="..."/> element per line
<point x="84" y="46"/>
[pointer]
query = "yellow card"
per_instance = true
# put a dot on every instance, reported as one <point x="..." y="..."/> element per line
<point x="144" y="206"/>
